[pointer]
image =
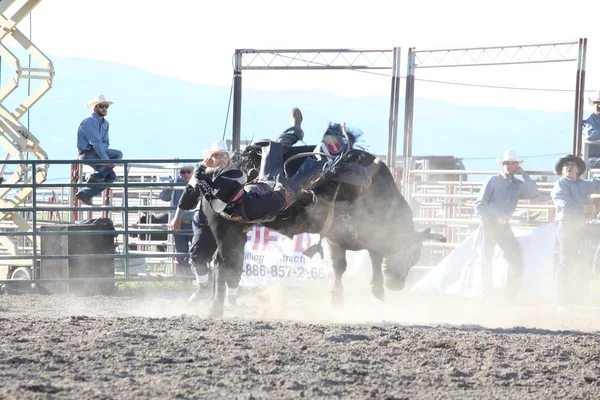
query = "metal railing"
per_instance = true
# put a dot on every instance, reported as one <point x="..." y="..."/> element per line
<point x="27" y="251"/>
<point x="449" y="206"/>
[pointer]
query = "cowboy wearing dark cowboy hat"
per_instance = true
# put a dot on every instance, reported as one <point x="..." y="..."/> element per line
<point x="571" y="195"/>
<point x="570" y="159"/>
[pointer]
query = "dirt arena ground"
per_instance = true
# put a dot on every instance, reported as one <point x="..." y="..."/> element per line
<point x="289" y="344"/>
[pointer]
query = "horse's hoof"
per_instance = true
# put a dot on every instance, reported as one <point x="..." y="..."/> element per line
<point x="379" y="292"/>
<point x="337" y="301"/>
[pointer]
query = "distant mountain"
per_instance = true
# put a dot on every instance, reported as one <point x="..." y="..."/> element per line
<point x="161" y="117"/>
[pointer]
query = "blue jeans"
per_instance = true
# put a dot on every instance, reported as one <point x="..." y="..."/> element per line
<point x="570" y="271"/>
<point x="101" y="172"/>
<point x="503" y="236"/>
<point x="182" y="245"/>
<point x="203" y="245"/>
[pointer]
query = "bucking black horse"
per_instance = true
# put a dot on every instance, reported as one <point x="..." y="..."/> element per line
<point x="373" y="216"/>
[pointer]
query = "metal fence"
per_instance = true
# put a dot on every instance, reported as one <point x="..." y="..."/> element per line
<point x="52" y="203"/>
<point x="447" y="206"/>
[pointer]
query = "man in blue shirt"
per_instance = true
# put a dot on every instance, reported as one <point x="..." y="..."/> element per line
<point x="494" y="206"/>
<point x="571" y="195"/>
<point x="591" y="131"/>
<point x="93" y="144"/>
<point x="182" y="241"/>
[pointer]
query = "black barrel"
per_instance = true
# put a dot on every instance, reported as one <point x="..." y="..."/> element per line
<point x="82" y="266"/>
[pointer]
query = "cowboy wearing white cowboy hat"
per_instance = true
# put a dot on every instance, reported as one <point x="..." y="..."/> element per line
<point x="509" y="155"/>
<point x="203" y="243"/>
<point x="591" y="131"/>
<point x="93" y="144"/>
<point x="217" y="155"/>
<point x="495" y="204"/>
<point x="98" y="99"/>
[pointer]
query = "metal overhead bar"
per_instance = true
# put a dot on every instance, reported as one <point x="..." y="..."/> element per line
<point x="496" y="55"/>
<point x="492" y="55"/>
<point x="318" y="59"/>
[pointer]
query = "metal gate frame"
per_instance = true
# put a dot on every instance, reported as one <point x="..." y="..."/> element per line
<point x="496" y="55"/>
<point x="319" y="59"/>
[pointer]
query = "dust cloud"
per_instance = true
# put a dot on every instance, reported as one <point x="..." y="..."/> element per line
<point x="314" y="306"/>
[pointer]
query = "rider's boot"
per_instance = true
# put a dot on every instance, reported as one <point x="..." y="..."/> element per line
<point x="288" y="138"/>
<point x="272" y="152"/>
<point x="296" y="117"/>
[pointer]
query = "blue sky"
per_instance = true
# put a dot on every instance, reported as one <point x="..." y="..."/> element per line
<point x="195" y="41"/>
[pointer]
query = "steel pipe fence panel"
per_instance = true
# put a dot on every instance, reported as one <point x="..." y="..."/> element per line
<point x="28" y="245"/>
<point x="450" y="204"/>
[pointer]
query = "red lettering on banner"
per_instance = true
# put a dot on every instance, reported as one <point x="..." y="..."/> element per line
<point x="254" y="236"/>
<point x="262" y="238"/>
<point x="251" y="235"/>
<point x="269" y="236"/>
<point x="299" y="246"/>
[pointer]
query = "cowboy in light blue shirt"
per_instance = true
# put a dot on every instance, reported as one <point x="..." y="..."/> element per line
<point x="93" y="144"/>
<point x="495" y="204"/>
<point x="591" y="131"/>
<point x="571" y="195"/>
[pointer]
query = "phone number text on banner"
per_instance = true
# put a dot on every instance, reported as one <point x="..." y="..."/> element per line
<point x="271" y="258"/>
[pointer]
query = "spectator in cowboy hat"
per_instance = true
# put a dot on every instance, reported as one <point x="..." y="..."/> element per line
<point x="495" y="204"/>
<point x="203" y="243"/>
<point x="182" y="241"/>
<point x="93" y="144"/>
<point x="591" y="131"/>
<point x="571" y="195"/>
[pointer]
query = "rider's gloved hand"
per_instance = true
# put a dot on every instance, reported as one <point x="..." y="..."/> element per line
<point x="199" y="171"/>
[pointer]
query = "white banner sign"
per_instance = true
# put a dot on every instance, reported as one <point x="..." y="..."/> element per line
<point x="460" y="272"/>
<point x="271" y="258"/>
